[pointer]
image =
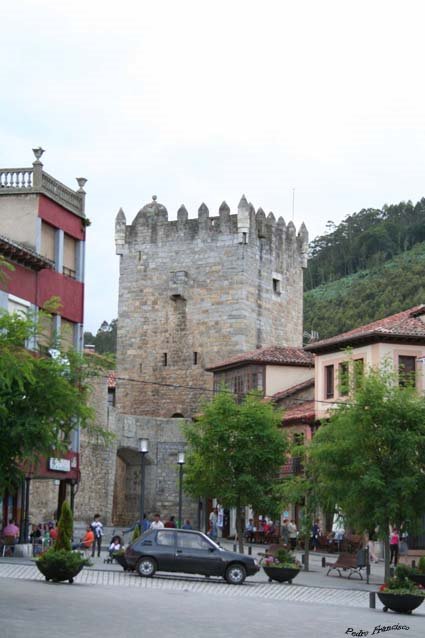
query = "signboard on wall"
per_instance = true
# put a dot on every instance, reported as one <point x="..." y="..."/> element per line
<point x="59" y="465"/>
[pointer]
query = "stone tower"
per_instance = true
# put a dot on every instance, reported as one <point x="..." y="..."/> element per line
<point x="195" y="291"/>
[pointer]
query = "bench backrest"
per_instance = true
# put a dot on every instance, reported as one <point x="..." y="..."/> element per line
<point x="347" y="559"/>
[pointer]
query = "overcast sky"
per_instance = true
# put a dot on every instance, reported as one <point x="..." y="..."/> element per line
<point x="202" y="101"/>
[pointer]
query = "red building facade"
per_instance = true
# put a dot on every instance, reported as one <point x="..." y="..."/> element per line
<point x="42" y="234"/>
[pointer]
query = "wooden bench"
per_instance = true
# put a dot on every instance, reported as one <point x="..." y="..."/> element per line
<point x="345" y="561"/>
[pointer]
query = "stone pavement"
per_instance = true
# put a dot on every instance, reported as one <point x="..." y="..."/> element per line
<point x="313" y="586"/>
<point x="32" y="609"/>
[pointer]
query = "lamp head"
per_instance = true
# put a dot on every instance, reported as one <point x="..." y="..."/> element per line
<point x="180" y="458"/>
<point x="144" y="446"/>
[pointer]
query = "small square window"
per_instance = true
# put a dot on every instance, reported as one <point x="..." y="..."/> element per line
<point x="276" y="286"/>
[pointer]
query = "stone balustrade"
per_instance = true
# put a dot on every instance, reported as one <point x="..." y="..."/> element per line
<point x="16" y="178"/>
<point x="35" y="180"/>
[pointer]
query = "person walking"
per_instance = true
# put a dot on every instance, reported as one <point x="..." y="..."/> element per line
<point x="394" y="546"/>
<point x="284" y="532"/>
<point x="171" y="522"/>
<point x="293" y="534"/>
<point x="157" y="523"/>
<point x="213" y="518"/>
<point x="315" y="532"/>
<point x="97" y="527"/>
<point x="371" y="538"/>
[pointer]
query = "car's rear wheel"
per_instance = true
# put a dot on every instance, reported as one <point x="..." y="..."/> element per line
<point x="146" y="567"/>
<point x="235" y="574"/>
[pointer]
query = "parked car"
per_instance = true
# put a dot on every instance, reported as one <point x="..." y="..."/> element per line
<point x="187" y="551"/>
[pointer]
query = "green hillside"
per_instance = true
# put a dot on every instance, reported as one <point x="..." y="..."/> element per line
<point x="367" y="295"/>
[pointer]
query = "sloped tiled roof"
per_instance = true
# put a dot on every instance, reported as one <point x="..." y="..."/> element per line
<point x="294" y="389"/>
<point x="23" y="255"/>
<point x="406" y="326"/>
<point x="273" y="355"/>
<point x="303" y="412"/>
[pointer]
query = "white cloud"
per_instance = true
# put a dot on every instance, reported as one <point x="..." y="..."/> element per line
<point x="203" y="101"/>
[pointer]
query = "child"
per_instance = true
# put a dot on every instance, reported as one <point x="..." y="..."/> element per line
<point x="115" y="546"/>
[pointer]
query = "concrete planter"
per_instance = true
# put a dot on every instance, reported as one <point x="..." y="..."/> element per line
<point x="401" y="603"/>
<point x="58" y="574"/>
<point x="281" y="574"/>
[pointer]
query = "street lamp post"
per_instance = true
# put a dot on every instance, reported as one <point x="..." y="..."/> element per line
<point x="180" y="461"/>
<point x="143" y="449"/>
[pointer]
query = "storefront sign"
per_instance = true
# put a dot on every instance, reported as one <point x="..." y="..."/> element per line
<point x="59" y="465"/>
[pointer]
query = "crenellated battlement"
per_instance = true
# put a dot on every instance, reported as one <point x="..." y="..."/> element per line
<point x="247" y="226"/>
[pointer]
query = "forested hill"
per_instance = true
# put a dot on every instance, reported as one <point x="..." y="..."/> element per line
<point x="368" y="295"/>
<point x="365" y="240"/>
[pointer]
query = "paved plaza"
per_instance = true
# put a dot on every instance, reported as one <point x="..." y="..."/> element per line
<point x="110" y="602"/>
<point x="31" y="609"/>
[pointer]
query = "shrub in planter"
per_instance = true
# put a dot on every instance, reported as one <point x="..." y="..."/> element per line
<point x="417" y="574"/>
<point x="401" y="594"/>
<point x="65" y="528"/>
<point x="280" y="565"/>
<point x="59" y="562"/>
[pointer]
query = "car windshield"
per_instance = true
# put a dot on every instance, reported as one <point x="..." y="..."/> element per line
<point x="211" y="542"/>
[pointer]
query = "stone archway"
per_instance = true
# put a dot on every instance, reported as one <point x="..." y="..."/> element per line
<point x="127" y="486"/>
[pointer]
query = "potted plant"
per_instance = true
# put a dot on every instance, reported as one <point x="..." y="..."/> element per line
<point x="280" y="565"/>
<point x="401" y="594"/>
<point x="60" y="563"/>
<point x="417" y="574"/>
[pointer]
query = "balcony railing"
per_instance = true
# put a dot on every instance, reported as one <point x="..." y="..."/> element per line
<point x="293" y="466"/>
<point x="34" y="180"/>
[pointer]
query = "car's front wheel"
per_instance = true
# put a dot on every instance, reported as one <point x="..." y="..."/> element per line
<point x="146" y="567"/>
<point x="235" y="574"/>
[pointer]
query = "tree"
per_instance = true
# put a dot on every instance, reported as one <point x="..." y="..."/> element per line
<point x="303" y="489"/>
<point x="4" y="266"/>
<point x="235" y="452"/>
<point x="370" y="457"/>
<point x="105" y="340"/>
<point x="41" y="399"/>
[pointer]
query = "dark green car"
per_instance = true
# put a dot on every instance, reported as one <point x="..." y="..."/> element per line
<point x="189" y="552"/>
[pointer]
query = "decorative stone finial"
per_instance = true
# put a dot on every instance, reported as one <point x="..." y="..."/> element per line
<point x="224" y="208"/>
<point x="81" y="181"/>
<point x="154" y="198"/>
<point x="38" y="152"/>
<point x="271" y="219"/>
<point x="203" y="209"/>
<point x="281" y="222"/>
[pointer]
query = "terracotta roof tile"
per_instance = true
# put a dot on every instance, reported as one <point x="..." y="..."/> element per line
<point x="273" y="355"/>
<point x="403" y="325"/>
<point x="302" y="412"/>
<point x="283" y="394"/>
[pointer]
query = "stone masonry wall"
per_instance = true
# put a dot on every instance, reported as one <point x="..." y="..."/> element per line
<point x="212" y="286"/>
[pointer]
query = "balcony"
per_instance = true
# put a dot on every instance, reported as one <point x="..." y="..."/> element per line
<point x="19" y="181"/>
<point x="291" y="468"/>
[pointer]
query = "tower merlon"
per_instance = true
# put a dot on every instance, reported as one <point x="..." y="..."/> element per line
<point x="120" y="230"/>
